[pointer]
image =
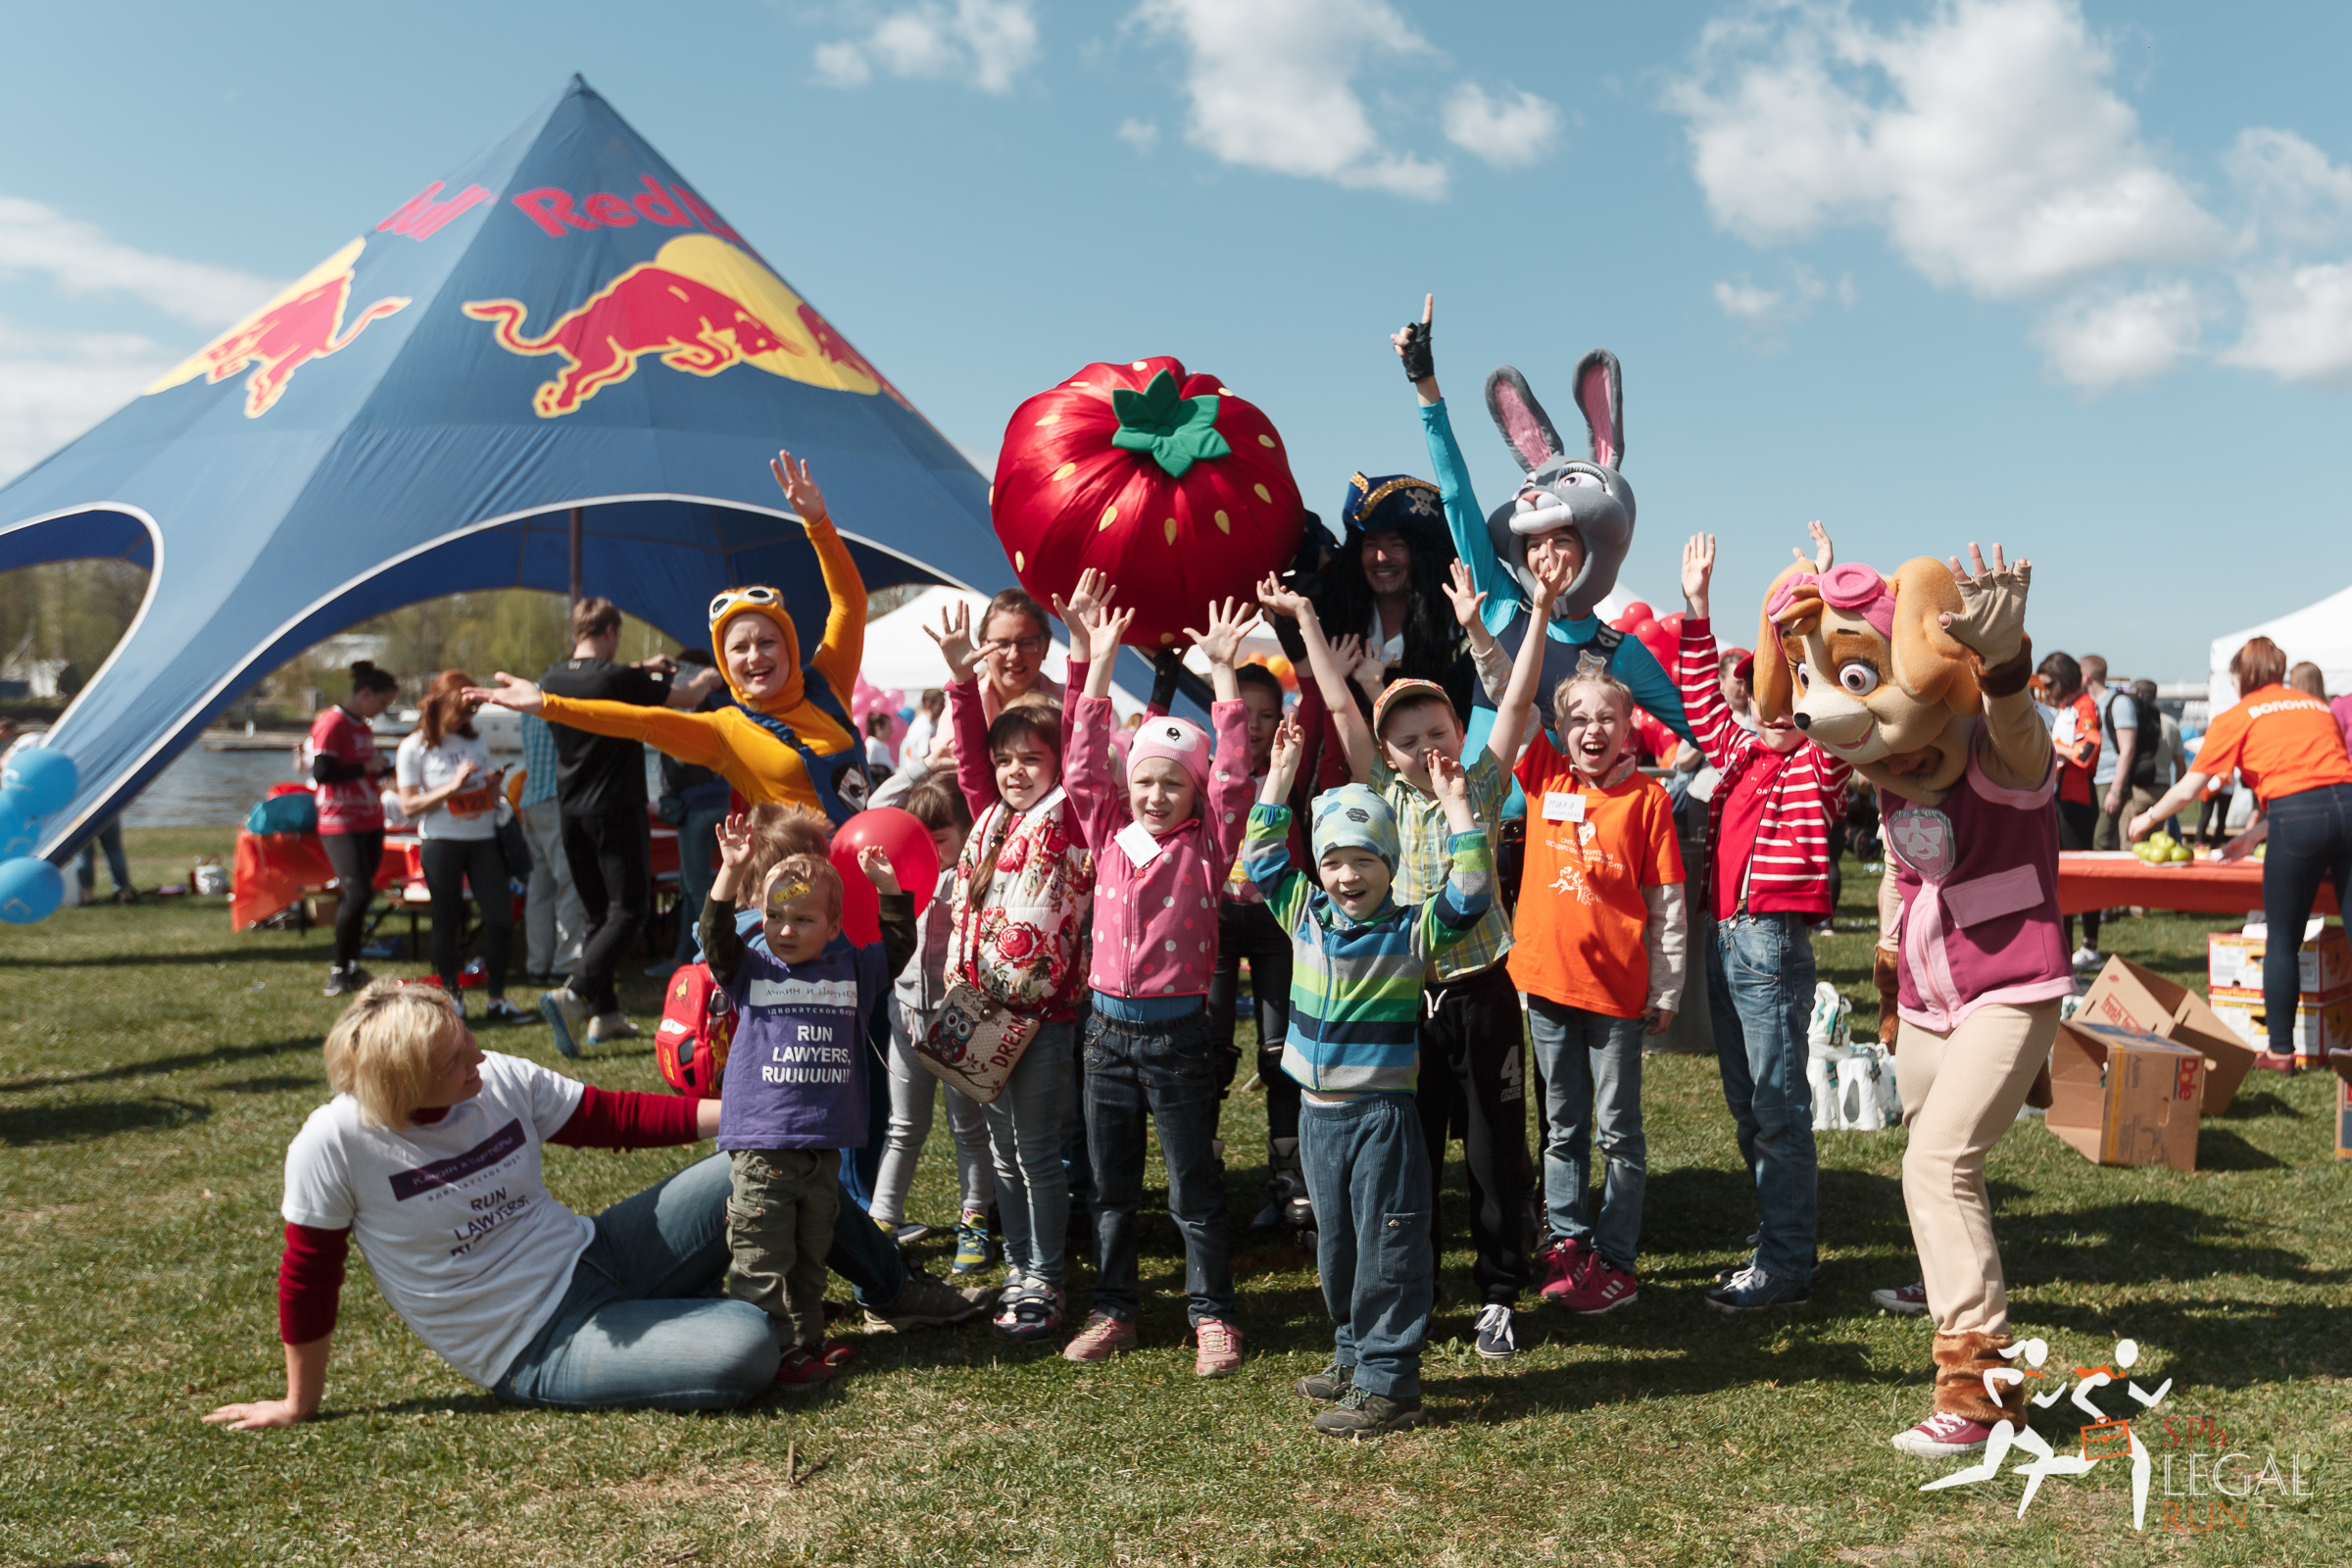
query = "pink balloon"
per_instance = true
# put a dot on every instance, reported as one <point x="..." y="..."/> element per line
<point x="912" y="858"/>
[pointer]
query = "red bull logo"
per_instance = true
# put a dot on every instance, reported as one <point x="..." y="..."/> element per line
<point x="305" y="323"/>
<point x="701" y="306"/>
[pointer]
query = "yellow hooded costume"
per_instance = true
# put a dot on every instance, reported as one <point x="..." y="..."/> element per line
<point x="738" y="748"/>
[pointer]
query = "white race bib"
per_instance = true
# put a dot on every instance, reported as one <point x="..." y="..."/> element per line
<point x="1138" y="842"/>
<point x="1562" y="806"/>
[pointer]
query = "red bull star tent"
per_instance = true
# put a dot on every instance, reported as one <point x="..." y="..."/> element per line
<point x="563" y="325"/>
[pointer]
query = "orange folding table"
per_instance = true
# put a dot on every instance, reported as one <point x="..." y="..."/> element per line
<point x="2117" y="879"/>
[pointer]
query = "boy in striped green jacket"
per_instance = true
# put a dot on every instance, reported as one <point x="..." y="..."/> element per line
<point x="1359" y="962"/>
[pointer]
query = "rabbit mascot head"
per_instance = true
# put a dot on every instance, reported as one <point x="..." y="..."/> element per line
<point x="1577" y="504"/>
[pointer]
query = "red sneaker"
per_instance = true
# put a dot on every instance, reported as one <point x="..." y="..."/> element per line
<point x="801" y="1368"/>
<point x="1599" y="1288"/>
<point x="1558" y="1266"/>
<point x="837" y="1353"/>
<point x="1220" y="1347"/>
<point x="1942" y="1435"/>
<point x="1909" y="1302"/>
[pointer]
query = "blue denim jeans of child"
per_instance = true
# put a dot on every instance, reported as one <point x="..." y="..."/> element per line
<point x="1367" y="1174"/>
<point x="1166" y="1070"/>
<point x="1760" y="981"/>
<point x="636" y="1327"/>
<point x="1026" y="1126"/>
<point x="1591" y="1066"/>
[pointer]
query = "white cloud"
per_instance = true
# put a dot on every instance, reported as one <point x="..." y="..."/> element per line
<point x="1141" y="134"/>
<point x="1759" y="308"/>
<point x="79" y="258"/>
<point x="2103" y="338"/>
<point x="1272" y="87"/>
<point x="985" y="43"/>
<point x="2299" y="324"/>
<point x="2294" y="196"/>
<point x="1986" y="141"/>
<point x="55" y="385"/>
<point x="1507" y="132"/>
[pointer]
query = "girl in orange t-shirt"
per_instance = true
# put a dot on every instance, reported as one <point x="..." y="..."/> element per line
<point x="1598" y="950"/>
<point x="2290" y="751"/>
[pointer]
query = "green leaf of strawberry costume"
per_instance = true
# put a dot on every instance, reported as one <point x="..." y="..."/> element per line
<point x="1178" y="431"/>
<point x="1176" y="488"/>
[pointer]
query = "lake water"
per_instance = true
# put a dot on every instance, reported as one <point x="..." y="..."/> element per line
<point x="206" y="788"/>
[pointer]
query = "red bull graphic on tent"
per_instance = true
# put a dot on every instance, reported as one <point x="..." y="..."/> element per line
<point x="700" y="305"/>
<point x="304" y="323"/>
<point x="563" y="322"/>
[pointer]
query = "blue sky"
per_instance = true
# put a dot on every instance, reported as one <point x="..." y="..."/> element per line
<point x="2069" y="274"/>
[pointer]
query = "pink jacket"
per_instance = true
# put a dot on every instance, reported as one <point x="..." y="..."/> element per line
<point x="1156" y="924"/>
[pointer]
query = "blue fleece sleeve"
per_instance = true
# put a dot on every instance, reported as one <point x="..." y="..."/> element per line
<point x="1465" y="520"/>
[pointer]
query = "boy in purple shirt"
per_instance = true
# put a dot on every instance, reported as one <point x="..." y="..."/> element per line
<point x="793" y="1094"/>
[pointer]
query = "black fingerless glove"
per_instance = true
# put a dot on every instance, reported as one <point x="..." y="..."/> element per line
<point x="1420" y="366"/>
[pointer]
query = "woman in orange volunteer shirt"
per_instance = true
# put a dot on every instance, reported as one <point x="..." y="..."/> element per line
<point x="787" y="736"/>
<point x="2289" y="747"/>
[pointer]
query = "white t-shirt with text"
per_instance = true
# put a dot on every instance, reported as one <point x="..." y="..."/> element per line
<point x="473" y="814"/>
<point x="453" y="1216"/>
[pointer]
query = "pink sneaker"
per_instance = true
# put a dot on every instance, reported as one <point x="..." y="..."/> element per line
<point x="1103" y="1337"/>
<point x="1220" y="1347"/>
<point x="1942" y="1435"/>
<point x="1909" y="1302"/>
<point x="1557" y="1266"/>
<point x="1599" y="1288"/>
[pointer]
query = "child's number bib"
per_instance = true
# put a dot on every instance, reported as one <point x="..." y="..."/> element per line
<point x="1560" y="806"/>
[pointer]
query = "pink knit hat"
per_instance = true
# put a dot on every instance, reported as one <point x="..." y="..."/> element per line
<point x="1179" y="740"/>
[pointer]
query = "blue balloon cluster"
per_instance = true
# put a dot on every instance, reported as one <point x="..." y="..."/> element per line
<point x="34" y="783"/>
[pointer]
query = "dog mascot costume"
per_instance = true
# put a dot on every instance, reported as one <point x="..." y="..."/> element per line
<point x="1920" y="681"/>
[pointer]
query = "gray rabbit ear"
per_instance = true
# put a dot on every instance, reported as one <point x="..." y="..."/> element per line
<point x="1522" y="420"/>
<point x="1601" y="393"/>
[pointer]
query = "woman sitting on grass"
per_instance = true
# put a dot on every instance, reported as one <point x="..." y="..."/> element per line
<point x="429" y="1154"/>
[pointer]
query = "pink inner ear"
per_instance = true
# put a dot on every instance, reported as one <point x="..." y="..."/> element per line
<point x="1592" y="392"/>
<point x="1525" y="431"/>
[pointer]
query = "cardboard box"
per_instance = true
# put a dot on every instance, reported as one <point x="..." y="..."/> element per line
<point x="2132" y="997"/>
<point x="2123" y="1097"/>
<point x="2324" y="965"/>
<point x="2321" y="1026"/>
<point x="2341" y="1062"/>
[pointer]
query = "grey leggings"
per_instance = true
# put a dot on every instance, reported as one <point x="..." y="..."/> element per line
<point x="913" y="1091"/>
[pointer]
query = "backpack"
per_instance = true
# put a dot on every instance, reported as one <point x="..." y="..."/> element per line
<point x="288" y="809"/>
<point x="2151" y="736"/>
<point x="698" y="1026"/>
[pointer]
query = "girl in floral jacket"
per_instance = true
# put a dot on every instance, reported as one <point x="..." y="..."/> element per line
<point x="1023" y="885"/>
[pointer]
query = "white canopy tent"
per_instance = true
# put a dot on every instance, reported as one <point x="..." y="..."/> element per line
<point x="899" y="654"/>
<point x="2319" y="633"/>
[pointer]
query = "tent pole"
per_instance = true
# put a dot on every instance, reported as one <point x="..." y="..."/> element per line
<point x="576" y="558"/>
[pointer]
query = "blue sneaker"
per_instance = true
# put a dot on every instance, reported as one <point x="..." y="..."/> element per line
<point x="972" y="1253"/>
<point x="567" y="1018"/>
<point x="1751" y="1290"/>
<point x="1497" y="1340"/>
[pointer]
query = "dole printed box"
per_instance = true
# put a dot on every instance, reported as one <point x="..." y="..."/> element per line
<point x="2123" y="1097"/>
<point x="2134" y="998"/>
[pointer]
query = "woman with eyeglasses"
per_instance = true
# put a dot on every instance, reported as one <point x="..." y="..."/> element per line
<point x="787" y="737"/>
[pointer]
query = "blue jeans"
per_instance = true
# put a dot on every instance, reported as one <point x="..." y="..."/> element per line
<point x="1025" y="1128"/>
<point x="1167" y="1070"/>
<point x="862" y="1255"/>
<point x="1760" y="980"/>
<point x="635" y="1327"/>
<point x="861" y="1166"/>
<point x="1367" y="1174"/>
<point x="109" y="839"/>
<point x="1592" y="1067"/>
<point x="2310" y="842"/>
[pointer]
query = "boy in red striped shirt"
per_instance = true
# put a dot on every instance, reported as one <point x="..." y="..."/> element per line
<point x="1771" y="861"/>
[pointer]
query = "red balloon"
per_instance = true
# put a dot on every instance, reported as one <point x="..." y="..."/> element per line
<point x="1672" y="625"/>
<point x="1634" y="615"/>
<point x="1179" y="490"/>
<point x="913" y="858"/>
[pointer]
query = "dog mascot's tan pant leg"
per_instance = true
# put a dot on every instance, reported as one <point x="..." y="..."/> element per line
<point x="1961" y="1091"/>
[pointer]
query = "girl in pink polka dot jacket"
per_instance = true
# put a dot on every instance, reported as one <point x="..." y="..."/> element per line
<point x="1163" y="844"/>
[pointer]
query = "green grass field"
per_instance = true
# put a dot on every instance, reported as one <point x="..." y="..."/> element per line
<point x="154" y="1066"/>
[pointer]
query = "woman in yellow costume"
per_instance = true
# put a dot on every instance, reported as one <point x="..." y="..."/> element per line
<point x="787" y="737"/>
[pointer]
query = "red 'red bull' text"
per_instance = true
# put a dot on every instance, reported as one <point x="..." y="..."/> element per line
<point x="672" y="206"/>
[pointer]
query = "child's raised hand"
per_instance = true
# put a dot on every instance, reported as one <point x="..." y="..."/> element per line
<point x="1290" y="745"/>
<point x="1094" y="590"/>
<point x="1467" y="600"/>
<point x="1552" y="580"/>
<point x="954" y="634"/>
<point x="1699" y="569"/>
<point x="1446" y="780"/>
<point x="1825" y="553"/>
<point x="1106" y="630"/>
<point x="1227" y="621"/>
<point x="1346" y="653"/>
<point x="874" y="860"/>
<point x="735" y="840"/>
<point x="1280" y="599"/>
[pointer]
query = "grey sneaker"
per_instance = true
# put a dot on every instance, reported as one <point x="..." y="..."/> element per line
<point x="1362" y="1413"/>
<point x="567" y="1018"/>
<point x="1496" y="1340"/>
<point x="927" y="1302"/>
<point x="1751" y="1290"/>
<point x="1327" y="1386"/>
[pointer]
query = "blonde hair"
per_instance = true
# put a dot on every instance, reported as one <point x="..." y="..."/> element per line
<point x="381" y="1051"/>
<point x="1618" y="692"/>
<point x="780" y="829"/>
<point x="816" y="877"/>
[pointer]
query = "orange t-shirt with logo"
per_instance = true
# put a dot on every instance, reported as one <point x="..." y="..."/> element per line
<point x="1590" y="853"/>
<point x="2281" y="740"/>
